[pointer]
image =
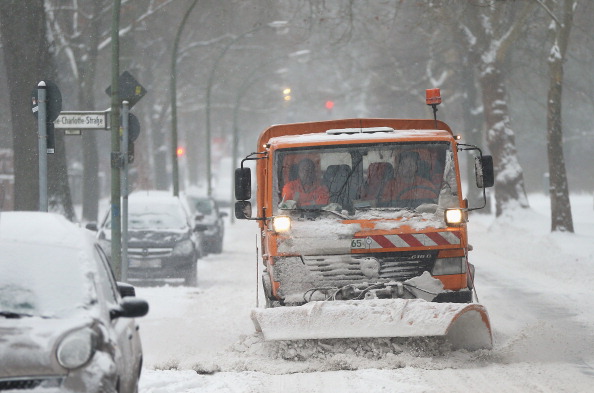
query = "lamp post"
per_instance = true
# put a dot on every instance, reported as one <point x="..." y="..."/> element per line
<point x="173" y="89"/>
<point x="275" y="25"/>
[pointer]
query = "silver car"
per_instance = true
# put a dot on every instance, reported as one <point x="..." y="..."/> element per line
<point x="65" y="324"/>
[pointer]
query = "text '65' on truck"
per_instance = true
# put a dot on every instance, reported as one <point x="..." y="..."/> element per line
<point x="363" y="230"/>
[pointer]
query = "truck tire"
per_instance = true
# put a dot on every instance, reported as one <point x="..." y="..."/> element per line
<point x="267" y="286"/>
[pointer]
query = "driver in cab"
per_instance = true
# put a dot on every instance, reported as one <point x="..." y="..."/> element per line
<point x="307" y="189"/>
<point x="407" y="184"/>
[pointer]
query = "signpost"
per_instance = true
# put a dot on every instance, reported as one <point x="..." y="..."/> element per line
<point x="128" y="91"/>
<point x="82" y="120"/>
<point x="46" y="104"/>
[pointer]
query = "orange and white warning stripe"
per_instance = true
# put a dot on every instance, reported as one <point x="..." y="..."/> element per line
<point x="407" y="240"/>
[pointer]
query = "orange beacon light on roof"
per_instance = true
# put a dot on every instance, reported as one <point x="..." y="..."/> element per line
<point x="432" y="96"/>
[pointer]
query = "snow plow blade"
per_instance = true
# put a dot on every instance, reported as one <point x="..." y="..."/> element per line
<point x="465" y="325"/>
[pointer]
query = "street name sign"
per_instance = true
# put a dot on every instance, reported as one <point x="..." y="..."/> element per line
<point x="82" y="120"/>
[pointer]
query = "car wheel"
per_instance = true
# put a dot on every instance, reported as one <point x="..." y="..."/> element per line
<point x="191" y="276"/>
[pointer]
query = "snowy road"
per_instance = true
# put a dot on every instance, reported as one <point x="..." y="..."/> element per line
<point x="537" y="287"/>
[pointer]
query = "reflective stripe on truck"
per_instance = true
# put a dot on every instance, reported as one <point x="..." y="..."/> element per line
<point x="428" y="239"/>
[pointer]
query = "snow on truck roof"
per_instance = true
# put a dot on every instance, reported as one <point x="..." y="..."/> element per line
<point x="356" y="129"/>
<point x="350" y="135"/>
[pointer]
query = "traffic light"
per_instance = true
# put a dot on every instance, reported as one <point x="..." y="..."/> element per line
<point x="329" y="105"/>
<point x="180" y="151"/>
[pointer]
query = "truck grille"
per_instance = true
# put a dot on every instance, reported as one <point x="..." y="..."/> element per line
<point x="338" y="270"/>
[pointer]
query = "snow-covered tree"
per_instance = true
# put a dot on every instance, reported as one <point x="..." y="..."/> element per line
<point x="561" y="15"/>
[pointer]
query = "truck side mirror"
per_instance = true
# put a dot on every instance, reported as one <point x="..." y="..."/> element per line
<point x="483" y="167"/>
<point x="243" y="184"/>
<point x="243" y="210"/>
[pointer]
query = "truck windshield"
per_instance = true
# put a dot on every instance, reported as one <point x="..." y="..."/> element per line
<point x="352" y="178"/>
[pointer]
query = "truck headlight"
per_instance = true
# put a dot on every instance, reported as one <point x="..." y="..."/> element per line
<point x="76" y="348"/>
<point x="281" y="223"/>
<point x="445" y="266"/>
<point x="454" y="217"/>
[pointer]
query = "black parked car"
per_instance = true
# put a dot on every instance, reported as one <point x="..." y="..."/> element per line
<point x="163" y="241"/>
<point x="206" y="211"/>
<point x="65" y="324"/>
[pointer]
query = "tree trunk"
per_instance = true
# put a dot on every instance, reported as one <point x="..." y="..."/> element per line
<point x="489" y="34"/>
<point x="474" y="122"/>
<point x="22" y="31"/>
<point x="87" y="70"/>
<point x="58" y="189"/>
<point x="28" y="61"/>
<point x="561" y="219"/>
<point x="509" y="179"/>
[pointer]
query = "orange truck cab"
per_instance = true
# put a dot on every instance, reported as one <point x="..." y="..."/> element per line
<point x="359" y="209"/>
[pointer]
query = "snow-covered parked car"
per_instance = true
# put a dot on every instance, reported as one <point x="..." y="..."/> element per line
<point x="65" y="324"/>
<point x="206" y="211"/>
<point x="163" y="241"/>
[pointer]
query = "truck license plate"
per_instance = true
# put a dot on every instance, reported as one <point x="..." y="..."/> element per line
<point x="359" y="243"/>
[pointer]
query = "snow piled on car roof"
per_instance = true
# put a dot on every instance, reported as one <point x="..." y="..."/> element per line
<point x="40" y="227"/>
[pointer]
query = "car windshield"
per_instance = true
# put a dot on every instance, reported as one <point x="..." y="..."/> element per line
<point x="154" y="216"/>
<point x="353" y="179"/>
<point x="42" y="280"/>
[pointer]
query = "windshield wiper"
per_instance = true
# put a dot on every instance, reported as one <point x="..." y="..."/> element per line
<point x="336" y="213"/>
<point x="316" y="211"/>
<point x="13" y="315"/>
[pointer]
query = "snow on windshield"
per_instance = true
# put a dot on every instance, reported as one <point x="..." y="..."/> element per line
<point x="45" y="261"/>
<point x="353" y="179"/>
<point x="41" y="280"/>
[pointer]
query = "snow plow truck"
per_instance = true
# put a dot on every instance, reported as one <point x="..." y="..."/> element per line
<point x="363" y="230"/>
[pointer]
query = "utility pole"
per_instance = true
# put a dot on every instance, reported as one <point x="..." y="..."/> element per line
<point x="116" y="157"/>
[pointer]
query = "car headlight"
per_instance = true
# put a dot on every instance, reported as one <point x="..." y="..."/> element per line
<point x="184" y="247"/>
<point x="77" y="348"/>
<point x="281" y="223"/>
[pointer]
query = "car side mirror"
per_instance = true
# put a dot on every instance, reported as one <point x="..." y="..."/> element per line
<point x="92" y="226"/>
<point x="198" y="216"/>
<point x="243" y="184"/>
<point x="130" y="308"/>
<point x="483" y="167"/>
<point x="126" y="290"/>
<point x="243" y="210"/>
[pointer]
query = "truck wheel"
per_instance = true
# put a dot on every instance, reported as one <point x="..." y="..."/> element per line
<point x="267" y="286"/>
